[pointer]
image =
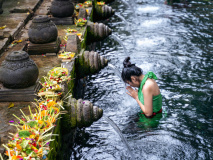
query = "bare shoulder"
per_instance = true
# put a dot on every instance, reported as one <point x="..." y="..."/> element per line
<point x="149" y="85"/>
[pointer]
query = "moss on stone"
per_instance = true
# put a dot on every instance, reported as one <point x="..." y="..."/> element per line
<point x="84" y="41"/>
<point x="83" y="68"/>
<point x="72" y="82"/>
<point x="73" y="117"/>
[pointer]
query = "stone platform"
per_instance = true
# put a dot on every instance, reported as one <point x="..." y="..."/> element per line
<point x="15" y="21"/>
<point x="19" y="95"/>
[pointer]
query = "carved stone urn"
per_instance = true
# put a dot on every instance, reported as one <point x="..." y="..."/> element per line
<point x="18" y="70"/>
<point x="62" y="8"/>
<point x="42" y="30"/>
<point x="1" y="10"/>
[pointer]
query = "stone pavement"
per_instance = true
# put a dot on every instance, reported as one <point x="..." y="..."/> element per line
<point x="16" y="14"/>
<point x="17" y="17"/>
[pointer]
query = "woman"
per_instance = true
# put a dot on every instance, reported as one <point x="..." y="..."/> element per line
<point x="148" y="96"/>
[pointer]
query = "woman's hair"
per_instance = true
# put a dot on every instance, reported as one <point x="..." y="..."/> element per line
<point x="130" y="70"/>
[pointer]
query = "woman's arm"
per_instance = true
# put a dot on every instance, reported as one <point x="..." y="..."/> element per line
<point x="147" y="107"/>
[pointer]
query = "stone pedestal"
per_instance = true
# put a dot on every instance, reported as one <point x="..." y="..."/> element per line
<point x="38" y="49"/>
<point x="62" y="11"/>
<point x="63" y="21"/>
<point x="19" y="95"/>
<point x="43" y="36"/>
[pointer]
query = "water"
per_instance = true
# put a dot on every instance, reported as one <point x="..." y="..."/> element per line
<point x="176" y="43"/>
<point x="120" y="42"/>
<point x="121" y="135"/>
<point x="128" y="28"/>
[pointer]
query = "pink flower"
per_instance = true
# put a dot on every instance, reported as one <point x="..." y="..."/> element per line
<point x="11" y="121"/>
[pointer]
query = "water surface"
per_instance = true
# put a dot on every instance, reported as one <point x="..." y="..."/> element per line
<point x="176" y="43"/>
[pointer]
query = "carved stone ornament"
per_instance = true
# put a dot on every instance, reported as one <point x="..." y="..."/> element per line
<point x="42" y="30"/>
<point x="18" y="70"/>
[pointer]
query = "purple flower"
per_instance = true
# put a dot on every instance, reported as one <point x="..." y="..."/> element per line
<point x="51" y="87"/>
<point x="11" y="121"/>
<point x="47" y="143"/>
<point x="83" y="102"/>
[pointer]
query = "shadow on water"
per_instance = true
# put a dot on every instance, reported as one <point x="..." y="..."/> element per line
<point x="121" y="135"/>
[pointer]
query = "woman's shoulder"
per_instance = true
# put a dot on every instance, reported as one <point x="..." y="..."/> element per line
<point x="149" y="85"/>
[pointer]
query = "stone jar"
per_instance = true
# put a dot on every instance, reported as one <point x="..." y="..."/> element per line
<point x="42" y="30"/>
<point x="62" y="8"/>
<point x="18" y="70"/>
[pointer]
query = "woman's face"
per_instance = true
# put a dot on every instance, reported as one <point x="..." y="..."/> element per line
<point x="135" y="82"/>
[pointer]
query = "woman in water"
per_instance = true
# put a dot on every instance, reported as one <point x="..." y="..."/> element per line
<point x="148" y="95"/>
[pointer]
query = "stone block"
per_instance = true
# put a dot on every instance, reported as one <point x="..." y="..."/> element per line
<point x="73" y="44"/>
<point x="63" y="21"/>
<point x="19" y="95"/>
<point x="82" y="13"/>
<point x="38" y="49"/>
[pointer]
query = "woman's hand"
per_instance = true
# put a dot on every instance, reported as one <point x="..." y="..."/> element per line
<point x="133" y="93"/>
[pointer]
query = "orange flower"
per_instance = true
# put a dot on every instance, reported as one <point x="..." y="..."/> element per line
<point x="48" y="123"/>
<point x="53" y="120"/>
<point x="52" y="103"/>
<point x="18" y="146"/>
<point x="44" y="113"/>
<point x="32" y="136"/>
<point x="24" y="127"/>
<point x="14" y="157"/>
<point x="40" y="122"/>
<point x="55" y="109"/>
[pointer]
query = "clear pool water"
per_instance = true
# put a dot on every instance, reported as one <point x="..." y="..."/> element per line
<point x="176" y="43"/>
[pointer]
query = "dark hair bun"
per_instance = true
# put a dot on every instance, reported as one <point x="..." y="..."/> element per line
<point x="127" y="63"/>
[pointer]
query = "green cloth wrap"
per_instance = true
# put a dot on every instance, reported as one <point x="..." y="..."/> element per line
<point x="157" y="100"/>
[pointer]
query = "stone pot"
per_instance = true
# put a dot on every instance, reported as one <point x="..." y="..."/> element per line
<point x="1" y="3"/>
<point x="62" y="8"/>
<point x="18" y="70"/>
<point x="42" y="30"/>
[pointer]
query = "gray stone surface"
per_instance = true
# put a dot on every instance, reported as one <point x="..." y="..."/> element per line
<point x="73" y="44"/>
<point x="63" y="21"/>
<point x="96" y="61"/>
<point x="91" y="61"/>
<point x="15" y="21"/>
<point x="82" y="13"/>
<point x="87" y="114"/>
<point x="79" y="111"/>
<point x="38" y="49"/>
